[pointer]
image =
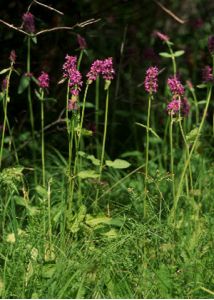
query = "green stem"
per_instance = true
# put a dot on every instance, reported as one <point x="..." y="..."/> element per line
<point x="97" y="113"/>
<point x="179" y="190"/>
<point x="172" y="156"/>
<point x="173" y="60"/>
<point x="147" y="152"/>
<point x="43" y="140"/>
<point x="5" y="101"/>
<point x="103" y="146"/>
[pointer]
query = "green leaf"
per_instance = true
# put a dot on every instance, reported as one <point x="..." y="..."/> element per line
<point x="82" y="153"/>
<point x="87" y="105"/>
<point x="94" y="160"/>
<point x="88" y="174"/>
<point x="166" y="54"/>
<point x="48" y="270"/>
<point x="190" y="137"/>
<point x="94" y="221"/>
<point x="78" y="219"/>
<point x="4" y="71"/>
<point x="202" y="86"/>
<point x="179" y="53"/>
<point x="149" y="128"/>
<point x="21" y="201"/>
<point x="131" y="154"/>
<point x="50" y="99"/>
<point x="34" y="39"/>
<point x="23" y="84"/>
<point x="118" y="164"/>
<point x="41" y="191"/>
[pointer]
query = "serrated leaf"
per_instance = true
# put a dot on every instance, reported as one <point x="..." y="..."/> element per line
<point x="166" y="54"/>
<point x="179" y="53"/>
<point x="88" y="174"/>
<point x="23" y="84"/>
<point x="3" y="71"/>
<point x="118" y="164"/>
<point x="149" y="128"/>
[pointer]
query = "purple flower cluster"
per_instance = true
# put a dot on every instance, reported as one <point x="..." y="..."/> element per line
<point x="43" y="80"/>
<point x="151" y="80"/>
<point x="207" y="75"/>
<point x="211" y="44"/>
<point x="175" y="86"/>
<point x="70" y="71"/>
<point x="177" y="106"/>
<point x="161" y="36"/>
<point x="28" y="22"/>
<point x="101" y="67"/>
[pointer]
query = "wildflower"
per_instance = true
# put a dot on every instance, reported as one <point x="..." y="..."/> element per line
<point x="151" y="81"/>
<point x="43" y="80"/>
<point x="178" y="106"/>
<point x="101" y="67"/>
<point x="161" y="36"/>
<point x="12" y="57"/>
<point x="81" y="41"/>
<point x="75" y="81"/>
<point x="69" y="64"/>
<point x="107" y="69"/>
<point x="28" y="22"/>
<point x="174" y="106"/>
<point x="95" y="70"/>
<point x="211" y="44"/>
<point x="207" y="75"/>
<point x="175" y="86"/>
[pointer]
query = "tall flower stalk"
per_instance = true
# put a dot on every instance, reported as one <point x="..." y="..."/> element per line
<point x="43" y="81"/>
<point x="151" y="86"/>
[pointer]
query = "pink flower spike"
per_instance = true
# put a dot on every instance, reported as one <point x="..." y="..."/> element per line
<point x="107" y="69"/>
<point x="175" y="86"/>
<point x="69" y="65"/>
<point x="43" y="80"/>
<point x="207" y="75"/>
<point x="28" y="22"/>
<point x="161" y="36"/>
<point x="95" y="70"/>
<point x="151" y="80"/>
<point x="174" y="107"/>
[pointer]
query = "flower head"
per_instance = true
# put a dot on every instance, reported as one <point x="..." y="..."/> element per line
<point x="175" y="86"/>
<point x="12" y="57"/>
<point x="211" y="44"/>
<point x="75" y="81"/>
<point x="151" y="80"/>
<point x="69" y="65"/>
<point x="174" y="106"/>
<point x="161" y="36"/>
<point x="178" y="106"/>
<point x="95" y="70"/>
<point x="81" y="41"/>
<point x="43" y="80"/>
<point x="28" y="22"/>
<point x="207" y="75"/>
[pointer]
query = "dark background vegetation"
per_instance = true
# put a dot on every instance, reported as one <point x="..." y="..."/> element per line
<point x="125" y="32"/>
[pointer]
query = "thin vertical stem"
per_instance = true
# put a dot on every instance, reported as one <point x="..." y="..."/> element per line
<point x="147" y="152"/>
<point x="97" y="97"/>
<point x="43" y="140"/>
<point x="172" y="156"/>
<point x="103" y="145"/>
